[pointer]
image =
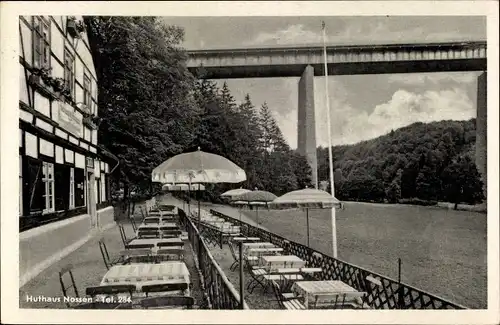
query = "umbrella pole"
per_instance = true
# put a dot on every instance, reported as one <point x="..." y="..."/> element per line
<point x="199" y="215"/>
<point x="189" y="200"/>
<point x="257" y="213"/>
<point x="307" y="217"/>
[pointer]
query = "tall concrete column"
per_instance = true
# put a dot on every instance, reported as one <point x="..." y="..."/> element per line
<point x="306" y="126"/>
<point x="481" y="122"/>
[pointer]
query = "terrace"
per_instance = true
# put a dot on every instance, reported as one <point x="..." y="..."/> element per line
<point x="211" y="256"/>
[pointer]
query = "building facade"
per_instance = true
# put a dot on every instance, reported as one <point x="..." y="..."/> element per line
<point x="63" y="170"/>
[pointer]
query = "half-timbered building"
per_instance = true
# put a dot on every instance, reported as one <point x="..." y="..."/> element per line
<point x="63" y="171"/>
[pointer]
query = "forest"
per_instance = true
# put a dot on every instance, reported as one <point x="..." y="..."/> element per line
<point x="152" y="108"/>
<point x="427" y="161"/>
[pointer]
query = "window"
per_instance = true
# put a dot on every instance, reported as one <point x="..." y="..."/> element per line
<point x="72" y="188"/>
<point x="20" y="185"/>
<point x="33" y="187"/>
<point x="41" y="42"/>
<point x="48" y="180"/>
<point x="98" y="190"/>
<point x="87" y="91"/>
<point x="79" y="179"/>
<point x="62" y="186"/>
<point x="69" y="71"/>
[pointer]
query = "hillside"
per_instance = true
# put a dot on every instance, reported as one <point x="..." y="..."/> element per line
<point x="430" y="161"/>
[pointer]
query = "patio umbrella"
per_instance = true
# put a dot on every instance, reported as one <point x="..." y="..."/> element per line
<point x="198" y="167"/>
<point x="256" y="198"/>
<point x="308" y="198"/>
<point x="233" y="193"/>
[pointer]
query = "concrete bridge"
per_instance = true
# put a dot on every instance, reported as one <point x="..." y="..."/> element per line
<point x="308" y="61"/>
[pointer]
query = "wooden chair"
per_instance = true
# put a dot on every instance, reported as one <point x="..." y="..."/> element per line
<point x="148" y="234"/>
<point x="146" y="228"/>
<point x="169" y="255"/>
<point x="236" y="257"/>
<point x="68" y="269"/>
<point x="137" y="256"/>
<point x="139" y="246"/>
<point x="165" y="287"/>
<point x="123" y="235"/>
<point x="166" y="302"/>
<point x="108" y="262"/>
<point x="256" y="272"/>
<point x="144" y="212"/>
<point x="286" y="300"/>
<point x="134" y="225"/>
<point x="151" y="220"/>
<point x="110" y="290"/>
<point x="170" y="244"/>
<point x="170" y="230"/>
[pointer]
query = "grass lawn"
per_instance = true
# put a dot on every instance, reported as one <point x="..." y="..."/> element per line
<point x="443" y="251"/>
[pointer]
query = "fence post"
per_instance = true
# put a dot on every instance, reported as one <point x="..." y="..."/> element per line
<point x="242" y="280"/>
<point x="401" y="301"/>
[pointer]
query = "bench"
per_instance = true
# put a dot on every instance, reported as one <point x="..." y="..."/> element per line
<point x="293" y="304"/>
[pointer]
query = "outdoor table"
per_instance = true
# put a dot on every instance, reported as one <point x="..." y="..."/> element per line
<point x="328" y="291"/>
<point x="247" y="246"/>
<point x="157" y="226"/>
<point x="245" y="239"/>
<point x="263" y="251"/>
<point x="147" y="274"/>
<point x="273" y="263"/>
<point x="155" y="241"/>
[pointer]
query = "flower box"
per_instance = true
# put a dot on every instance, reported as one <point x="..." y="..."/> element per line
<point x="71" y="27"/>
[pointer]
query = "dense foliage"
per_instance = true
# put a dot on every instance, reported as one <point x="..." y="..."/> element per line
<point x="153" y="109"/>
<point x="431" y="162"/>
<point x="145" y="94"/>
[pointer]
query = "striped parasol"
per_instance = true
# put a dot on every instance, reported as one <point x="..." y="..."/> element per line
<point x="196" y="168"/>
<point x="308" y="198"/>
<point x="256" y="198"/>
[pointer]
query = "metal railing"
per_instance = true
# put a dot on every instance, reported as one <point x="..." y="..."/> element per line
<point x="219" y="292"/>
<point x="381" y="292"/>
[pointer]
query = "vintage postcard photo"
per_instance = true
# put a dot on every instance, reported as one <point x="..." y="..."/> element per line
<point x="332" y="161"/>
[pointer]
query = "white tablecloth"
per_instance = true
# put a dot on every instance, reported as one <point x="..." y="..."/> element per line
<point x="147" y="274"/>
<point x="328" y="292"/>
<point x="273" y="263"/>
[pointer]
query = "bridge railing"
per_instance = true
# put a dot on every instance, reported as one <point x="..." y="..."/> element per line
<point x="382" y="292"/>
<point x="219" y="292"/>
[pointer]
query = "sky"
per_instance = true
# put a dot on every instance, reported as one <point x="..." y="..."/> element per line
<point x="362" y="107"/>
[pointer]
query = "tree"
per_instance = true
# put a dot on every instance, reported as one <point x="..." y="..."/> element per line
<point x="271" y="136"/>
<point x="393" y="193"/>
<point x="462" y="182"/>
<point x="145" y="93"/>
<point x="301" y="169"/>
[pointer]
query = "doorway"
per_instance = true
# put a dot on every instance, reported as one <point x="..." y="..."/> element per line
<point x="91" y="200"/>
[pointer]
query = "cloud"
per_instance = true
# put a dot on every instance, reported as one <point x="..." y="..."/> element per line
<point x="404" y="108"/>
<point x="294" y="34"/>
<point x="356" y="32"/>
<point x="423" y="79"/>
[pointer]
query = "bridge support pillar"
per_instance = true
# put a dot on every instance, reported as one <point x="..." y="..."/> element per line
<point x="481" y="131"/>
<point x="306" y="126"/>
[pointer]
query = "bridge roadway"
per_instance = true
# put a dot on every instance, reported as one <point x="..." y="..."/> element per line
<point x="342" y="60"/>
